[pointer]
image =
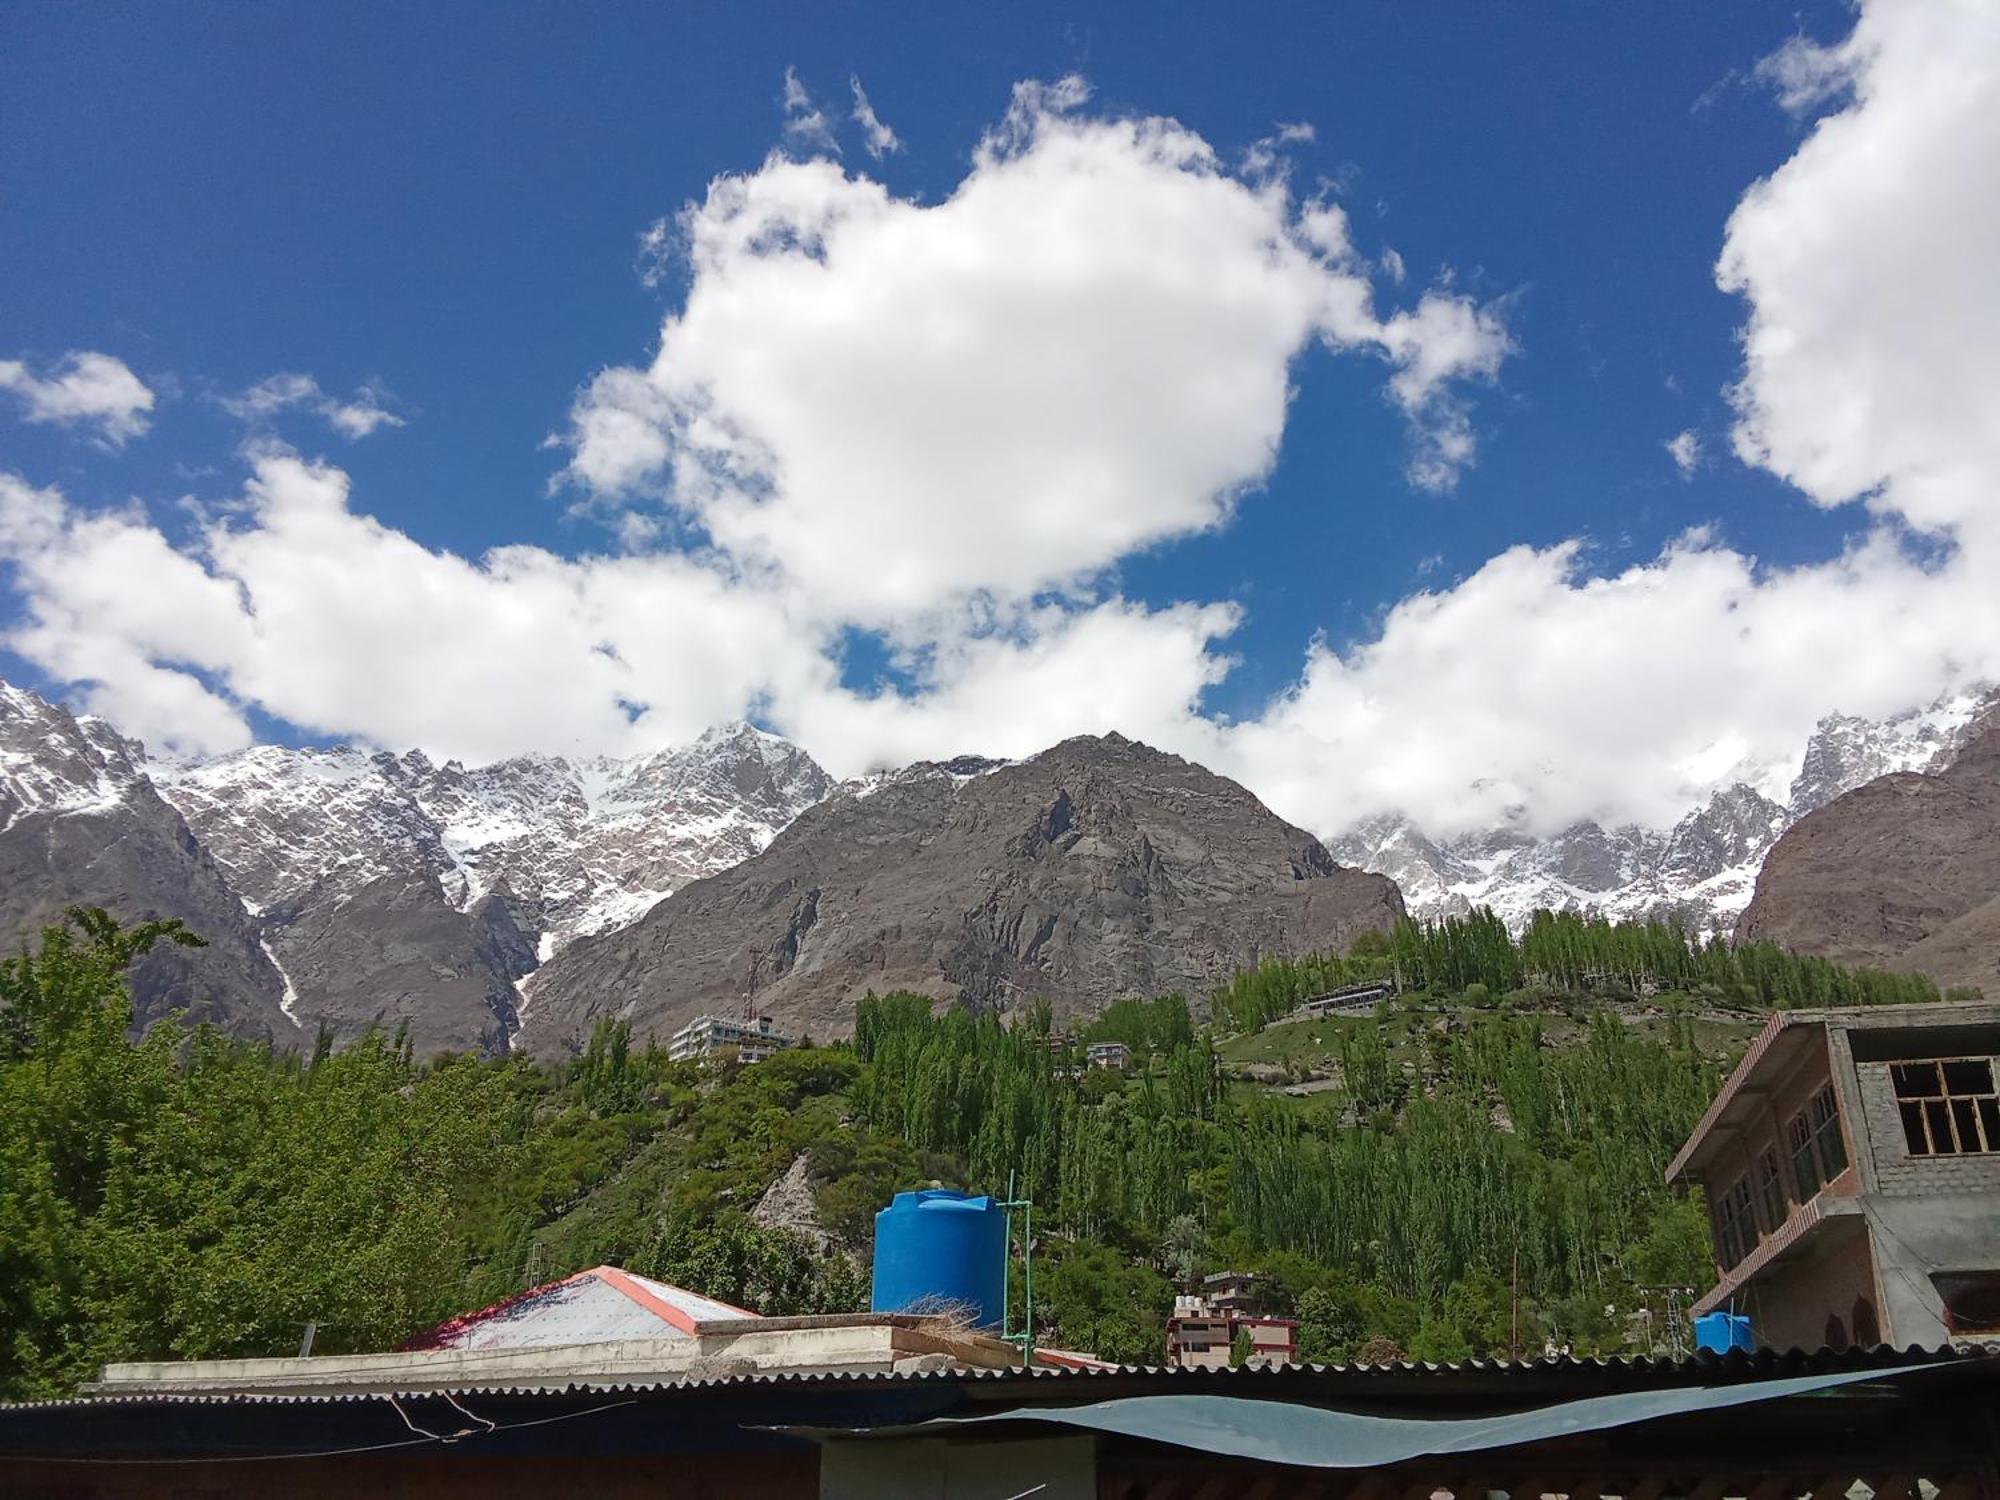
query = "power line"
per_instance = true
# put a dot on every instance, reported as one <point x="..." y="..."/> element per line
<point x="424" y="1438"/>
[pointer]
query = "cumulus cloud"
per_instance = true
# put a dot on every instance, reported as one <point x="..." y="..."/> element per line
<point x="879" y="138"/>
<point x="1085" y="349"/>
<point x="84" y="389"/>
<point x="290" y="600"/>
<point x="353" y="417"/>
<point x="1873" y="346"/>
<point x="1539" y="691"/>
<point x="948" y="422"/>
<point x="1684" y="448"/>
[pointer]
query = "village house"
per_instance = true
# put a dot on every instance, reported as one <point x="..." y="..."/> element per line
<point x="1206" y="1326"/>
<point x="1851" y="1166"/>
<point x="1114" y="1055"/>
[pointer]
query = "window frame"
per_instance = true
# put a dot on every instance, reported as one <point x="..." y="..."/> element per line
<point x="1964" y="1113"/>
<point x="1803" y="1155"/>
<point x="1770" y="1178"/>
<point x="1829" y="1143"/>
<point x="1736" y="1232"/>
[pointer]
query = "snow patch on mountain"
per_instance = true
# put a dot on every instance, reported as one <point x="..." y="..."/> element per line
<point x="53" y="763"/>
<point x="570" y="847"/>
<point x="1701" y="872"/>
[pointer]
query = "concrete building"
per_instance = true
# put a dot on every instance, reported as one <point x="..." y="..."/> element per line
<point x="1109" y="1055"/>
<point x="753" y="1040"/>
<point x="1203" y="1330"/>
<point x="1851" y="1165"/>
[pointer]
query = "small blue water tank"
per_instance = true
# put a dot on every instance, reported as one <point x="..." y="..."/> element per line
<point x="935" y="1248"/>
<point x="1720" y="1332"/>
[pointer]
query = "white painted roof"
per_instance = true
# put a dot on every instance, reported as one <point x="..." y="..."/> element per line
<point x="601" y="1305"/>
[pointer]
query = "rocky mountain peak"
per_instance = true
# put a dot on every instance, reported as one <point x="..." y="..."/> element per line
<point x="1098" y="869"/>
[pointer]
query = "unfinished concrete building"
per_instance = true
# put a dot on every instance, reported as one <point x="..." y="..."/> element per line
<point x="1852" y="1170"/>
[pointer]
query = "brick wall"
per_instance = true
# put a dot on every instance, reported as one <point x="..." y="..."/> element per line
<point x="1789" y="1304"/>
<point x="1896" y="1171"/>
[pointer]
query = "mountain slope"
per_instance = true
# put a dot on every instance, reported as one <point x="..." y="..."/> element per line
<point x="1098" y="869"/>
<point x="1903" y="871"/>
<point x="350" y="888"/>
<point x="81" y="825"/>
<point x="1700" y="872"/>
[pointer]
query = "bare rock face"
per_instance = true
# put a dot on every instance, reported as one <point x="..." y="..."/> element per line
<point x="81" y="825"/>
<point x="1098" y="869"/>
<point x="1902" y="872"/>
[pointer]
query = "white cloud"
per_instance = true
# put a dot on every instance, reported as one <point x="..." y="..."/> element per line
<point x="947" y="422"/>
<point x="355" y="417"/>
<point x="289" y="600"/>
<point x="1539" y="693"/>
<point x="1083" y="350"/>
<point x="880" y="139"/>
<point x="1806" y="75"/>
<point x="1684" y="448"/>
<point x="85" y="388"/>
<point x="1873" y="347"/>
<point x="805" y="122"/>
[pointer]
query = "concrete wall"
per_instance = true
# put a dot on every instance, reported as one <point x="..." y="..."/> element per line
<point x="734" y="1347"/>
<point x="1914" y="1237"/>
<point x="932" y="1469"/>
<point x="780" y="1477"/>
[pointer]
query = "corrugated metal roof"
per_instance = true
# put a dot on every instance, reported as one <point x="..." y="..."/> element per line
<point x="1763" y="1364"/>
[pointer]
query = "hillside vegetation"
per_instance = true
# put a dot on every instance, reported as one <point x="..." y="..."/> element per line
<point x="193" y="1196"/>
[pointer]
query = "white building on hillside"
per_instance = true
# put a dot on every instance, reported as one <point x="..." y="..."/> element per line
<point x="704" y="1036"/>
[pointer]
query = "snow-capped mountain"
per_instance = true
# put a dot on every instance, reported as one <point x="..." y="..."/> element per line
<point x="1701" y="871"/>
<point x="80" y="824"/>
<point x="572" y="847"/>
<point x="353" y="888"/>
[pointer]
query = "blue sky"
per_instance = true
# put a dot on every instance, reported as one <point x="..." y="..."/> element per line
<point x="443" y="205"/>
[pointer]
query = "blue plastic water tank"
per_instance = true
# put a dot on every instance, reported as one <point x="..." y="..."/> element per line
<point x="937" y="1247"/>
<point x="1720" y="1332"/>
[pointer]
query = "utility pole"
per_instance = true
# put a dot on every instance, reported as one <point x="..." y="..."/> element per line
<point x="1027" y="1333"/>
<point x="1514" y="1338"/>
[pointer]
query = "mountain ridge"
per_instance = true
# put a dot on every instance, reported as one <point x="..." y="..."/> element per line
<point x="1098" y="869"/>
<point x="1701" y="871"/>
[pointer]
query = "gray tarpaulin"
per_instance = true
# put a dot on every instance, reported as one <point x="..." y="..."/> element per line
<point x="1286" y="1433"/>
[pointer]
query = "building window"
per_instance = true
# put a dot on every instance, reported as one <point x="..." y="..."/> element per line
<point x="1735" y="1223"/>
<point x="1805" y="1170"/>
<point x="1826" y="1134"/>
<point x="1771" y="1188"/>
<point x="1948" y="1105"/>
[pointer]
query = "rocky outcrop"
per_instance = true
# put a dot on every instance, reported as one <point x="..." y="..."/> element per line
<point x="1098" y="869"/>
<point x="1903" y="871"/>
<point x="81" y="825"/>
